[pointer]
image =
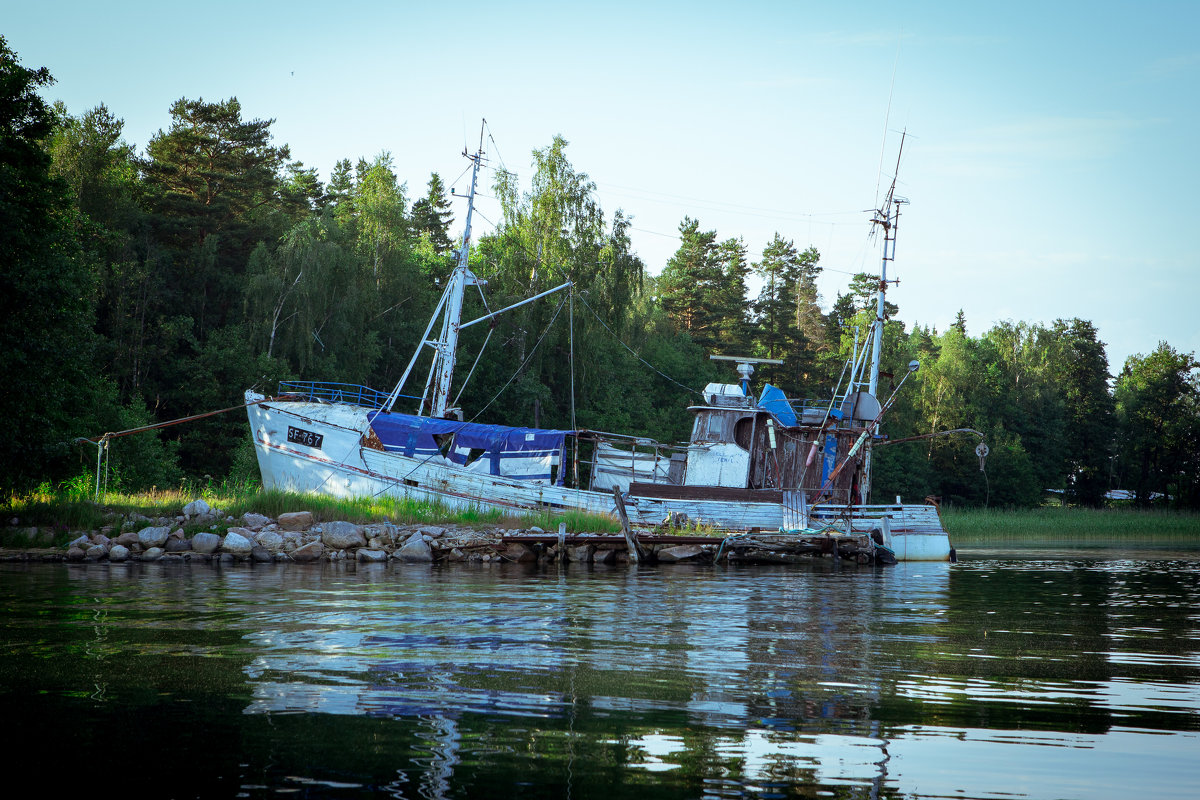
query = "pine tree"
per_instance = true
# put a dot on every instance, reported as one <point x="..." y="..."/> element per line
<point x="431" y="215"/>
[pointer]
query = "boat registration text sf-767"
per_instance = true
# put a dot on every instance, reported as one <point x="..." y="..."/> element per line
<point x="306" y="438"/>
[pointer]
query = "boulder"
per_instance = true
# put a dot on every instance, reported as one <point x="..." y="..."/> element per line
<point x="255" y="522"/>
<point x="520" y="553"/>
<point x="261" y="555"/>
<point x="96" y="552"/>
<point x="342" y="535"/>
<point x="415" y="549"/>
<point x="153" y="554"/>
<point x="680" y="552"/>
<point x="126" y="539"/>
<point x="81" y="541"/>
<point x="371" y="555"/>
<point x="580" y="553"/>
<point x="153" y="537"/>
<point x="604" y="556"/>
<point x="119" y="552"/>
<point x="206" y="542"/>
<point x="296" y="520"/>
<point x="196" y="508"/>
<point x="178" y="545"/>
<point x="236" y="542"/>
<point x="309" y="552"/>
<point x="76" y="553"/>
<point x="271" y="540"/>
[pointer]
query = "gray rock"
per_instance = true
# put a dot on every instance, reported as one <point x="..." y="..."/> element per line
<point x="415" y="549"/>
<point x="296" y="521"/>
<point x="520" y="553"/>
<point x="680" y="552"/>
<point x="235" y="543"/>
<point x="119" y="552"/>
<point x="196" y="508"/>
<point x="271" y="540"/>
<point x="80" y="542"/>
<point x="456" y="555"/>
<point x="581" y="553"/>
<point x="434" y="533"/>
<point x="371" y="555"/>
<point x="261" y="555"/>
<point x="255" y="522"/>
<point x="342" y="535"/>
<point x="178" y="545"/>
<point x="96" y="552"/>
<point x="153" y="537"/>
<point x="153" y="554"/>
<point x="206" y="542"/>
<point x="604" y="556"/>
<point x="309" y="552"/>
<point x="76" y="553"/>
<point x="126" y="539"/>
<point x="536" y="529"/>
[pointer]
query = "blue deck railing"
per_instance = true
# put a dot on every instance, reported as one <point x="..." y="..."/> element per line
<point x="350" y="393"/>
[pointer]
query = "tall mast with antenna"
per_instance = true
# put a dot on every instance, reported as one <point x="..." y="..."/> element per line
<point x="446" y="346"/>
<point x="888" y="218"/>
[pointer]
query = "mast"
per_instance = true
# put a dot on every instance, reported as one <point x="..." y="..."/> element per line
<point x="887" y="217"/>
<point x="446" y="347"/>
<point x="449" y="308"/>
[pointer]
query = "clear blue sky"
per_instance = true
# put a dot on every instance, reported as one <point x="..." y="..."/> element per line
<point x="1050" y="163"/>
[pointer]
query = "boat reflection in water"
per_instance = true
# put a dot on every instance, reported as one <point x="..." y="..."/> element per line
<point x="920" y="680"/>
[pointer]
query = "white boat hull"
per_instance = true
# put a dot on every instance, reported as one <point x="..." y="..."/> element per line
<point x="340" y="465"/>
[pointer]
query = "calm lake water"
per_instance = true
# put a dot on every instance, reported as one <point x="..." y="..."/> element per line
<point x="1018" y="672"/>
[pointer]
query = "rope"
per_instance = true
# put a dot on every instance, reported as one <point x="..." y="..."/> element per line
<point x="181" y="420"/>
<point x="524" y="363"/>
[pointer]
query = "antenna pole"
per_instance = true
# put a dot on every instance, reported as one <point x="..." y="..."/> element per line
<point x="888" y="217"/>
<point x="446" y="347"/>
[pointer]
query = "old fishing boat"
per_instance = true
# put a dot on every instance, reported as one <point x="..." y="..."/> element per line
<point x="754" y="466"/>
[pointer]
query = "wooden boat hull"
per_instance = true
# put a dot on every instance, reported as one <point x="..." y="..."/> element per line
<point x="305" y="446"/>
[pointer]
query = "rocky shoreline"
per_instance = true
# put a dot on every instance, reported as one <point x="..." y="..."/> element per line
<point x="297" y="538"/>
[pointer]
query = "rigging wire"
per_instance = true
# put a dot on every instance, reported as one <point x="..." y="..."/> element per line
<point x="688" y="389"/>
<point x="494" y="145"/>
<point x="524" y="363"/>
<point x="886" y="120"/>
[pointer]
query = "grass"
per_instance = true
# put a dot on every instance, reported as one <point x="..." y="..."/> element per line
<point x="68" y="510"/>
<point x="1071" y="525"/>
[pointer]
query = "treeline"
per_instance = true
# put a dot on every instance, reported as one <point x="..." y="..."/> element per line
<point x="144" y="287"/>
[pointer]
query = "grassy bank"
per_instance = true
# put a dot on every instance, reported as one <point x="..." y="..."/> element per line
<point x="65" y="511"/>
<point x="1071" y="525"/>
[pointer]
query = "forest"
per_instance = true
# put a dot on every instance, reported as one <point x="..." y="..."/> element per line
<point x="142" y="287"/>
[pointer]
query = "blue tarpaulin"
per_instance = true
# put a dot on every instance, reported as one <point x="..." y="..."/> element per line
<point x="526" y="453"/>
<point x="773" y="400"/>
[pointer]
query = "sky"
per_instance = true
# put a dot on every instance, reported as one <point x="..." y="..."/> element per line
<point x="1049" y="153"/>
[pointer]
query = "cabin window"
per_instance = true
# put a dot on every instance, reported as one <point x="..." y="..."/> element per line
<point x="743" y="431"/>
<point x="719" y="426"/>
<point x="709" y="427"/>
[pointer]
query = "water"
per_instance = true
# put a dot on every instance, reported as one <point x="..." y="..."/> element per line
<point x="1016" y="673"/>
